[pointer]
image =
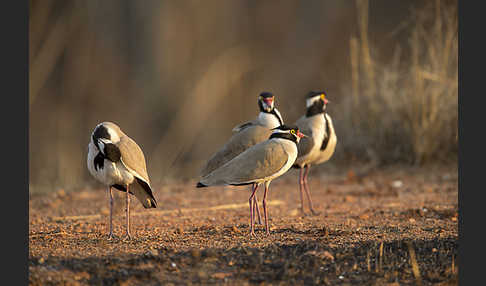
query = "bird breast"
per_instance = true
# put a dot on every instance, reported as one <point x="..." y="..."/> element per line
<point x="317" y="124"/>
<point x="291" y="150"/>
<point x="268" y="120"/>
<point x="327" y="153"/>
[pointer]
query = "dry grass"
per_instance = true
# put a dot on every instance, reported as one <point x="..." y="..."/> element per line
<point x="406" y="108"/>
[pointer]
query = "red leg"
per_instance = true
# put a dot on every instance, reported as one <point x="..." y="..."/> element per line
<point x="267" y="230"/>
<point x="110" y="193"/>
<point x="301" y="186"/>
<point x="255" y="206"/>
<point x="128" y="215"/>
<point x="307" y="191"/>
<point x="250" y="201"/>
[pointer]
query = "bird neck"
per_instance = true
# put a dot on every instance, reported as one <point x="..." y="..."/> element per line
<point x="316" y="108"/>
<point x="270" y="119"/>
<point x="286" y="136"/>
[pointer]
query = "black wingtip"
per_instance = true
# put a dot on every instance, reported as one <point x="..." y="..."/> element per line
<point x="153" y="204"/>
<point x="200" y="185"/>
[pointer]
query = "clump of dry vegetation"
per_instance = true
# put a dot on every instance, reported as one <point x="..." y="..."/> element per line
<point x="405" y="108"/>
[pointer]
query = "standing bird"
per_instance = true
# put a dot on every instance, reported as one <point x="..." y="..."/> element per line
<point x="319" y="146"/>
<point x="246" y="135"/>
<point x="269" y="115"/>
<point x="117" y="161"/>
<point x="261" y="163"/>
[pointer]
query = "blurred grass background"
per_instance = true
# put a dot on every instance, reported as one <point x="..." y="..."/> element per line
<point x="177" y="76"/>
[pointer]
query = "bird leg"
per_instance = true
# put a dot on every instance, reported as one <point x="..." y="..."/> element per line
<point x="307" y="167"/>
<point x="255" y="206"/>
<point x="128" y="214"/>
<point x="267" y="230"/>
<point x="250" y="201"/>
<point x="301" y="186"/>
<point x="110" y="193"/>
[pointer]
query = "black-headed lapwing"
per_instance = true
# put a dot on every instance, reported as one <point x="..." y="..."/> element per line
<point x="269" y="115"/>
<point x="246" y="135"/>
<point x="319" y="145"/>
<point x="259" y="164"/>
<point x="117" y="161"/>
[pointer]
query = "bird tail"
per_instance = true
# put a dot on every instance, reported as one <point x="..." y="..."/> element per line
<point x="200" y="185"/>
<point x="143" y="193"/>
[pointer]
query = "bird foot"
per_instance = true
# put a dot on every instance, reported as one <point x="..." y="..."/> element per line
<point x="127" y="236"/>
<point x="302" y="211"/>
<point x="315" y="213"/>
<point x="111" y="236"/>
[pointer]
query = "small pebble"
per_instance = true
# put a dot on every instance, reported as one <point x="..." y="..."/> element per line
<point x="397" y="184"/>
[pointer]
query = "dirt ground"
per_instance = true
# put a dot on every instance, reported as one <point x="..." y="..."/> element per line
<point x="395" y="226"/>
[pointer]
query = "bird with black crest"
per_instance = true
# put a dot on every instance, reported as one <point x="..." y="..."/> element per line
<point x="320" y="144"/>
<point x="246" y="135"/>
<point x="115" y="160"/>
<point x="259" y="164"/>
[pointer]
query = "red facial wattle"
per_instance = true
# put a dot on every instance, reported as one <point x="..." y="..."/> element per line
<point x="268" y="101"/>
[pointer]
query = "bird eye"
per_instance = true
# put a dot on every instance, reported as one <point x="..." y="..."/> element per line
<point x="292" y="131"/>
<point x="323" y="96"/>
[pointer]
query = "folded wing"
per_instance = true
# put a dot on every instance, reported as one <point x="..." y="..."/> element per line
<point x="238" y="143"/>
<point x="134" y="160"/>
<point x="258" y="162"/>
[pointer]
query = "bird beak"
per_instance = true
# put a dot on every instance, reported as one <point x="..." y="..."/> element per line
<point x="101" y="142"/>
<point x="105" y="141"/>
<point x="100" y="146"/>
<point x="326" y="101"/>
<point x="268" y="101"/>
<point x="300" y="134"/>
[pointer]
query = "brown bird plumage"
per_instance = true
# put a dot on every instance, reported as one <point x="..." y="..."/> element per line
<point x="117" y="161"/>
<point x="256" y="164"/>
<point x="238" y="143"/>
<point x="261" y="163"/>
<point x="246" y="135"/>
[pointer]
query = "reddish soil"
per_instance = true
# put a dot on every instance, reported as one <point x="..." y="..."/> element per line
<point x="390" y="227"/>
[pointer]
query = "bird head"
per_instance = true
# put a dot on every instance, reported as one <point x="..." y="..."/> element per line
<point x="288" y="131"/>
<point x="105" y="133"/>
<point x="266" y="101"/>
<point x="317" y="99"/>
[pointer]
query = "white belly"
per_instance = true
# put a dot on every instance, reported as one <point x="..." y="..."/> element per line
<point x="327" y="153"/>
<point x="318" y="126"/>
<point x="111" y="173"/>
